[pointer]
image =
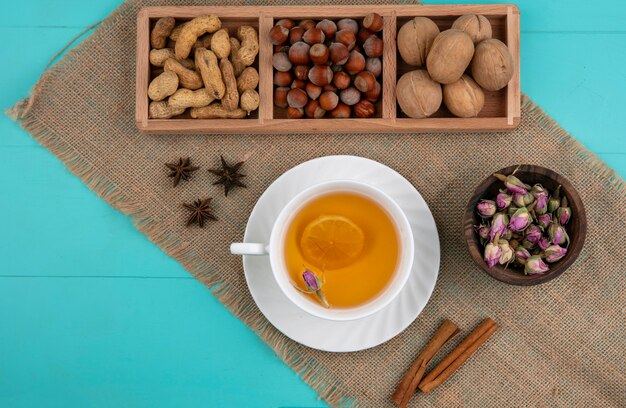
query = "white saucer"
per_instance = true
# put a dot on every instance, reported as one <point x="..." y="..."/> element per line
<point x="342" y="336"/>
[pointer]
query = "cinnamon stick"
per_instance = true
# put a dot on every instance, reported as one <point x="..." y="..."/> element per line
<point x="413" y="376"/>
<point x="448" y="366"/>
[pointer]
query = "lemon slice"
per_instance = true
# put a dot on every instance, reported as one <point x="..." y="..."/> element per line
<point x="331" y="242"/>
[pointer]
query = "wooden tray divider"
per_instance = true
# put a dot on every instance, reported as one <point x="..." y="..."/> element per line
<point x="513" y="96"/>
<point x="389" y="67"/>
<point x="266" y="70"/>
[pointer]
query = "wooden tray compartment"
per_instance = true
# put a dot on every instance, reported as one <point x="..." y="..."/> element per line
<point x="501" y="111"/>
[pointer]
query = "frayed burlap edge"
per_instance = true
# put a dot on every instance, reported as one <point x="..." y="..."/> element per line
<point x="325" y="384"/>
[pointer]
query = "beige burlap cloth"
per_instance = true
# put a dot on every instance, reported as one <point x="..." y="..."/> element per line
<point x="561" y="343"/>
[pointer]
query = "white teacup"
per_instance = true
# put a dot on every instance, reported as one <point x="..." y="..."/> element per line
<point x="275" y="249"/>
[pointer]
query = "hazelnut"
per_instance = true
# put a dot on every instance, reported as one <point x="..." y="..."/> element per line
<point x="281" y="48"/>
<point x="374" y="65"/>
<point x="340" y="112"/>
<point x="348" y="24"/>
<point x="339" y="53"/>
<point x="306" y="24"/>
<point x="295" y="113"/>
<point x="297" y="98"/>
<point x="313" y="36"/>
<point x="280" y="97"/>
<point x="373" y="46"/>
<point x="364" y="81"/>
<point x="477" y="27"/>
<point x="298" y="83"/>
<point x="301" y="72"/>
<point x="355" y="63"/>
<point x="313" y="110"/>
<point x="281" y="62"/>
<point x="328" y="27"/>
<point x="374" y="94"/>
<point x="319" y="53"/>
<point x="350" y="96"/>
<point x="363" y="35"/>
<point x="328" y="100"/>
<point x="330" y="88"/>
<point x="341" y="80"/>
<point x="364" y="109"/>
<point x="313" y="90"/>
<point x="282" y="78"/>
<point x="321" y="75"/>
<point x="373" y="22"/>
<point x="287" y="23"/>
<point x="299" y="53"/>
<point x="464" y="98"/>
<point x="417" y="94"/>
<point x="295" y="35"/>
<point x="279" y="34"/>
<point x="346" y="37"/>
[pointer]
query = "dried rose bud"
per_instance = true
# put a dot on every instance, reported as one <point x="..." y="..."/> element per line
<point x="537" y="189"/>
<point x="543" y="243"/>
<point x="557" y="234"/>
<point x="541" y="197"/>
<point x="313" y="285"/>
<point x="528" y="245"/>
<point x="522" y="200"/>
<point x="555" y="200"/>
<point x="514" y="243"/>
<point x="506" y="252"/>
<point x="563" y="215"/>
<point x="554" y="253"/>
<point x="483" y="231"/>
<point x="520" y="220"/>
<point x="541" y="205"/>
<point x="486" y="208"/>
<point x="521" y="255"/>
<point x="533" y="234"/>
<point x="511" y="210"/>
<point x="535" y="266"/>
<point x="513" y="184"/>
<point x="498" y="225"/>
<point x="544" y="220"/>
<point x="311" y="281"/>
<point x="503" y="200"/>
<point x="507" y="234"/>
<point x="492" y="254"/>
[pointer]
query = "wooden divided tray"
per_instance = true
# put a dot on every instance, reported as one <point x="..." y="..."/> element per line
<point x="501" y="110"/>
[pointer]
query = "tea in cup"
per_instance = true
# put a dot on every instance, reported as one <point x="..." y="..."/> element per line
<point x="339" y="250"/>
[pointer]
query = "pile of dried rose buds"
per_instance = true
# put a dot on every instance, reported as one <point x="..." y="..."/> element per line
<point x="524" y="226"/>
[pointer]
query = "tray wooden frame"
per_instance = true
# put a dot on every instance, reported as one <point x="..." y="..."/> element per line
<point x="501" y="111"/>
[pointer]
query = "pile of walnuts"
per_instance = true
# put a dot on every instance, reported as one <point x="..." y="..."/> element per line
<point x="443" y="59"/>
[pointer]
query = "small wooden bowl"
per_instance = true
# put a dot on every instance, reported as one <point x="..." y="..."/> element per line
<point x="576" y="228"/>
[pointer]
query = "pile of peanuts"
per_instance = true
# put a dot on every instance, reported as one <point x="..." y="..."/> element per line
<point x="328" y="67"/>
<point x="218" y="82"/>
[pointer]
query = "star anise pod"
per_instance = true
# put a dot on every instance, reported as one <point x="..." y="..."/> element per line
<point x="200" y="211"/>
<point x="229" y="176"/>
<point x="181" y="170"/>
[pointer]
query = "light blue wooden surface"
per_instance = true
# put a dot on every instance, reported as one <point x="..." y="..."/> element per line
<point x="93" y="314"/>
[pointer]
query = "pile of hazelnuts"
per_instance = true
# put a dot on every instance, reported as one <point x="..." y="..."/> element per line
<point x="327" y="67"/>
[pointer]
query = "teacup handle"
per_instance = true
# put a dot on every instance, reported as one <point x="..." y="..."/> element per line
<point x="245" y="248"/>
